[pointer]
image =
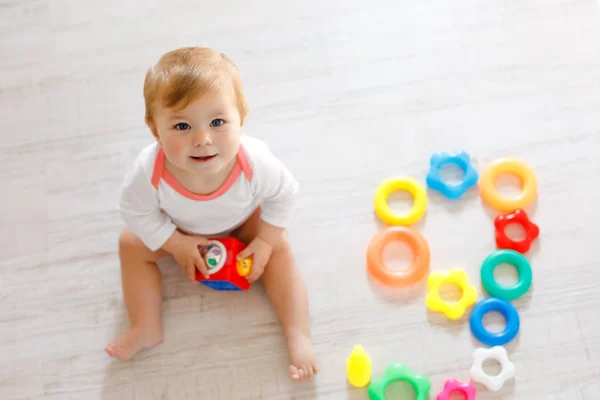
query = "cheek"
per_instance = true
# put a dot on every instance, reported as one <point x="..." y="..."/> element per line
<point x="228" y="140"/>
<point x="174" y="146"/>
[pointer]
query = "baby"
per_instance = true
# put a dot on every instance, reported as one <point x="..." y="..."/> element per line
<point x="202" y="178"/>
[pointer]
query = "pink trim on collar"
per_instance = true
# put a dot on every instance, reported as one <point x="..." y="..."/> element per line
<point x="245" y="164"/>
<point x="160" y="172"/>
<point x="159" y="166"/>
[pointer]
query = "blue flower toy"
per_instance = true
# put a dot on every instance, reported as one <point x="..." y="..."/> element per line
<point x="462" y="160"/>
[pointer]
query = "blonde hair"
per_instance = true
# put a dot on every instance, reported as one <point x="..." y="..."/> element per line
<point x="183" y="75"/>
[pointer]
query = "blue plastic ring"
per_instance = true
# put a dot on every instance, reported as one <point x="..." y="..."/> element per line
<point x="503" y="307"/>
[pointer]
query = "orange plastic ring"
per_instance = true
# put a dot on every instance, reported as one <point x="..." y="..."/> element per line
<point x="494" y="198"/>
<point x="387" y="276"/>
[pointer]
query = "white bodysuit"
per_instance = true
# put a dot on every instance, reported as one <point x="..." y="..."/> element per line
<point x="153" y="204"/>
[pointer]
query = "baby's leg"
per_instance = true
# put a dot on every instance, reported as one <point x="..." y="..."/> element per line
<point x="287" y="292"/>
<point x="142" y="292"/>
<point x="286" y="289"/>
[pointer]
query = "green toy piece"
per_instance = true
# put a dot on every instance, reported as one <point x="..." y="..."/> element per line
<point x="513" y="258"/>
<point x="399" y="372"/>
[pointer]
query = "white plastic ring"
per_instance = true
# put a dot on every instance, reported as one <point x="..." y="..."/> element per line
<point x="499" y="354"/>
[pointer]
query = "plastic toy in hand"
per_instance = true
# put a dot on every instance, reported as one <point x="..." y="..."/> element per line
<point x="225" y="271"/>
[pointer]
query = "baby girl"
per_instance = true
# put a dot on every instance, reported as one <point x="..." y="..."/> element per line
<point x="202" y="178"/>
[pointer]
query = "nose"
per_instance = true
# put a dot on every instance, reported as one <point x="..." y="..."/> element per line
<point x="201" y="138"/>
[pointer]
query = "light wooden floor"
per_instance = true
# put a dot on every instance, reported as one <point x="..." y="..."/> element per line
<point x="380" y="85"/>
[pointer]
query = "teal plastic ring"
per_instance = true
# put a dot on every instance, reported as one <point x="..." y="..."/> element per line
<point x="515" y="259"/>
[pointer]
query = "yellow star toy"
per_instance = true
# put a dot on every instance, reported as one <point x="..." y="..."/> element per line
<point x="456" y="309"/>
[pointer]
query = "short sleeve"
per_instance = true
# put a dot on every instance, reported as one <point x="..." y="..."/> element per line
<point x="140" y="209"/>
<point x="275" y="186"/>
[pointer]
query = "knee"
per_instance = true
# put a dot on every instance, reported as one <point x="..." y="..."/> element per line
<point x="283" y="245"/>
<point x="130" y="243"/>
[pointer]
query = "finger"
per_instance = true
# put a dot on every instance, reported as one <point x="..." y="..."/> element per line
<point x="190" y="270"/>
<point x="199" y="263"/>
<point x="254" y="273"/>
<point x="201" y="241"/>
<point x="247" y="252"/>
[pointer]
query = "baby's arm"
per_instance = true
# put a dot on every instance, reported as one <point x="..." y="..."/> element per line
<point x="277" y="188"/>
<point x="141" y="212"/>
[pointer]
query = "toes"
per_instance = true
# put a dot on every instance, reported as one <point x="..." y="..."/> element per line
<point x="109" y="350"/>
<point x="116" y="352"/>
<point x="294" y="374"/>
<point x="303" y="372"/>
<point x="307" y="371"/>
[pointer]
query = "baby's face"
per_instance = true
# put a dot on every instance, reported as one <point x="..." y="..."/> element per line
<point x="204" y="137"/>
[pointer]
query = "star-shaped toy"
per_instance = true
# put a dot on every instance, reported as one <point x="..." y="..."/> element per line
<point x="456" y="386"/>
<point x="498" y="353"/>
<point x="463" y="160"/>
<point x="399" y="372"/>
<point x="456" y="309"/>
<point x="519" y="217"/>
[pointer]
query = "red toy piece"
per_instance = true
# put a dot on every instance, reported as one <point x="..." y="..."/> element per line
<point x="520" y="217"/>
<point x="226" y="272"/>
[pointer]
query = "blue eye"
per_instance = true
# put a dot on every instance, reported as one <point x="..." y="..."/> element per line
<point x="182" y="126"/>
<point x="217" y="122"/>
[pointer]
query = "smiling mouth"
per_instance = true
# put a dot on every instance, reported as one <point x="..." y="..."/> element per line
<point x="203" y="158"/>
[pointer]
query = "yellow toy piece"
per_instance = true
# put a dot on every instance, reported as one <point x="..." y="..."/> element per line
<point x="453" y="310"/>
<point x="358" y="367"/>
<point x="244" y="266"/>
<point x="385" y="189"/>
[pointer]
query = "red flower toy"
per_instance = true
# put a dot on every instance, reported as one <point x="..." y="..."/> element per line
<point x="520" y="217"/>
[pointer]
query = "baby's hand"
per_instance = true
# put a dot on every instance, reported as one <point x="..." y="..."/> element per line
<point x="185" y="249"/>
<point x="261" y="253"/>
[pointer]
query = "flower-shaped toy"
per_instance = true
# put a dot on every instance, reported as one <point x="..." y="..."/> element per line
<point x="456" y="386"/>
<point x="400" y="372"/>
<point x="462" y="160"/>
<point x="498" y="353"/>
<point x="519" y="217"/>
<point x="456" y="309"/>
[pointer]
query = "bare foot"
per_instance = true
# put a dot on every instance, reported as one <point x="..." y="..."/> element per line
<point x="303" y="362"/>
<point x="132" y="341"/>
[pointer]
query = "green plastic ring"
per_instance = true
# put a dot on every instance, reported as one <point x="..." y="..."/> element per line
<point x="399" y="372"/>
<point x="513" y="258"/>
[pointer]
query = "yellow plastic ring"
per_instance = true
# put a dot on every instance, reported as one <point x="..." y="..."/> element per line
<point x="494" y="198"/>
<point x="393" y="184"/>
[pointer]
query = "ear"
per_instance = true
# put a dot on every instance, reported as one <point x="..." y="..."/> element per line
<point x="152" y="128"/>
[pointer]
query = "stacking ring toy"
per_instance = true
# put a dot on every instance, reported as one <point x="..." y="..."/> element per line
<point x="400" y="372"/>
<point x="453" y="310"/>
<point x="508" y="165"/>
<point x="513" y="258"/>
<point x="393" y="184"/>
<point x="504" y="308"/>
<point x="456" y="386"/>
<point x="499" y="354"/>
<point x="461" y="159"/>
<point x="387" y="276"/>
<point x="519" y="217"/>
